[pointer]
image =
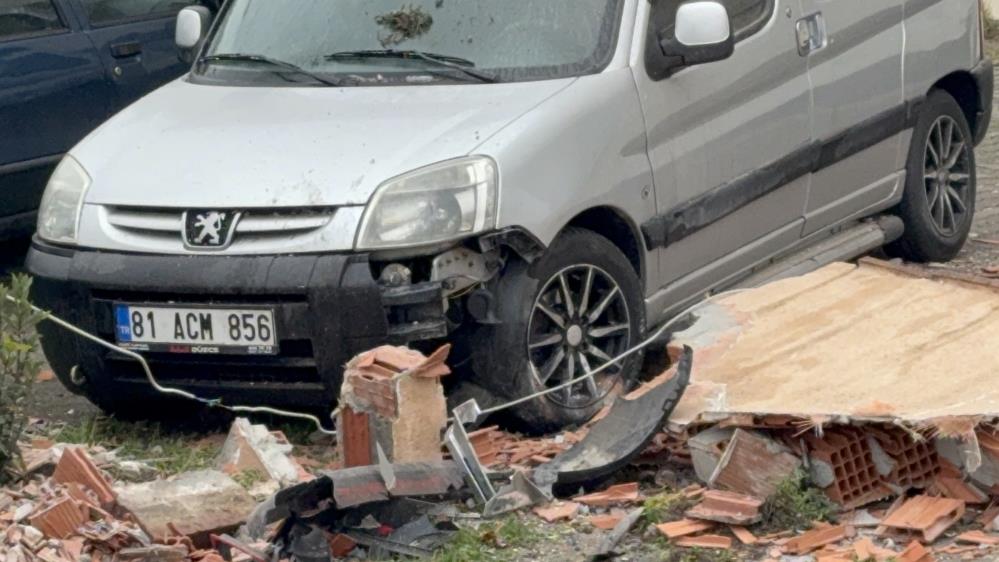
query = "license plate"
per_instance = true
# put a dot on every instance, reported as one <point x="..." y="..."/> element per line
<point x="201" y="330"/>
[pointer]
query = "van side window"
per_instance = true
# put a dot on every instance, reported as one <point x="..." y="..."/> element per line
<point x="747" y="16"/>
<point x="28" y="17"/>
<point x="108" y="12"/>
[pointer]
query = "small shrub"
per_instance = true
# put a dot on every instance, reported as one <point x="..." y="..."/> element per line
<point x="797" y="504"/>
<point x="19" y="362"/>
<point x="991" y="25"/>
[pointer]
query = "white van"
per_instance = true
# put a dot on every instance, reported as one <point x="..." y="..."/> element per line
<point x="539" y="182"/>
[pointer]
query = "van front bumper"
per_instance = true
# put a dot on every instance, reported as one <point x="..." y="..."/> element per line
<point x="327" y="308"/>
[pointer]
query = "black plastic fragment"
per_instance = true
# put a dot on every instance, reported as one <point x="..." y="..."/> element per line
<point x="621" y="436"/>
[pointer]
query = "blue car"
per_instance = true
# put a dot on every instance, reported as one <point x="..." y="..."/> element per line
<point x="65" y="67"/>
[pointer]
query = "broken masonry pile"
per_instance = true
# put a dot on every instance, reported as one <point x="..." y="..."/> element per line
<point x="835" y="376"/>
<point x="883" y="482"/>
<point x="67" y="508"/>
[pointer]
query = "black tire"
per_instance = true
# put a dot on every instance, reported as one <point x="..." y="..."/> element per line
<point x="501" y="360"/>
<point x="937" y="221"/>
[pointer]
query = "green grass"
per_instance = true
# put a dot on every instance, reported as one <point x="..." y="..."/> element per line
<point x="796" y="505"/>
<point x="249" y="478"/>
<point x="665" y="507"/>
<point x="489" y="542"/>
<point x="167" y="451"/>
<point x="661" y="549"/>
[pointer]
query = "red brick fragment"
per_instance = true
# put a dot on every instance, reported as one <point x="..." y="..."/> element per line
<point x="744" y="535"/>
<point x="817" y="538"/>
<point x="978" y="537"/>
<point x="856" y="479"/>
<point x="398" y="391"/>
<point x="75" y="466"/>
<point x="59" y="519"/>
<point x="916" y="552"/>
<point x="621" y="493"/>
<point x="753" y="464"/>
<point x="557" y="511"/>
<point x="958" y="489"/>
<point x="927" y="516"/>
<point x="485" y="441"/>
<point x="727" y="507"/>
<point x="340" y="545"/>
<point x="355" y="438"/>
<point x="705" y="541"/>
<point x="916" y="461"/>
<point x="683" y="528"/>
<point x="606" y="521"/>
<point x="865" y="549"/>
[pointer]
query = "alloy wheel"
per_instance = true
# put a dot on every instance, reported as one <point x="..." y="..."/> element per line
<point x="947" y="175"/>
<point x="579" y="321"/>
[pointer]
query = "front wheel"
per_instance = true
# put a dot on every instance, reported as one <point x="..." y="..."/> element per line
<point x="573" y="310"/>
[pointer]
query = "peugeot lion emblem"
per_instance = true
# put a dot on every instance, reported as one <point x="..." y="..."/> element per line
<point x="209" y="230"/>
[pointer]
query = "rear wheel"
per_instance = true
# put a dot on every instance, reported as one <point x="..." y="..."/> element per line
<point x="939" y="201"/>
<point x="570" y="312"/>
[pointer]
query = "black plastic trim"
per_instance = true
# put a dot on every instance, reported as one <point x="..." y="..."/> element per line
<point x="697" y="214"/>
<point x="984" y="76"/>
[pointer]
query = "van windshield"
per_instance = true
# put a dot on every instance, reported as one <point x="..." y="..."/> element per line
<point x="363" y="42"/>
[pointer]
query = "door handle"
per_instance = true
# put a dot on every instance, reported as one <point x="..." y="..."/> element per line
<point x="125" y="50"/>
<point x="811" y="34"/>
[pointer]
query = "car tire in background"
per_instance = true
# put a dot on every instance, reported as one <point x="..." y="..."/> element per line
<point x="542" y="336"/>
<point x="938" y="204"/>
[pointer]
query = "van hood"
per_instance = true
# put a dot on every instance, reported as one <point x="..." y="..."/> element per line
<point x="197" y="146"/>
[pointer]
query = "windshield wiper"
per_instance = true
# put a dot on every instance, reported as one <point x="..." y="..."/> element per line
<point x="269" y="61"/>
<point x="456" y="63"/>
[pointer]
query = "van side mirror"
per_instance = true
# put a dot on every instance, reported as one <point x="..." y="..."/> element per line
<point x="702" y="34"/>
<point x="192" y="28"/>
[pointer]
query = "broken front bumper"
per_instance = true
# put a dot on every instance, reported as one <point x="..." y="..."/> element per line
<point x="327" y="309"/>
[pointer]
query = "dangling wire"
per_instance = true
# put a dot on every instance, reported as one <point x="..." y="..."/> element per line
<point x="214" y="403"/>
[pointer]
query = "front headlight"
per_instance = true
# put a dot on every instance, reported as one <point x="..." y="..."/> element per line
<point x="434" y="204"/>
<point x="59" y="215"/>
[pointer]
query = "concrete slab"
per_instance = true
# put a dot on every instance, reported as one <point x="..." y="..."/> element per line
<point x="874" y="341"/>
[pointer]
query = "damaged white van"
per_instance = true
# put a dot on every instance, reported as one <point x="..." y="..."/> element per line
<point x="541" y="183"/>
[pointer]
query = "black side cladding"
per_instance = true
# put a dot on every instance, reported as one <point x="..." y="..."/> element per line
<point x="984" y="76"/>
<point x="697" y="214"/>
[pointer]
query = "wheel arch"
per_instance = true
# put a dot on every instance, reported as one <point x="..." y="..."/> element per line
<point x="961" y="85"/>
<point x="614" y="225"/>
